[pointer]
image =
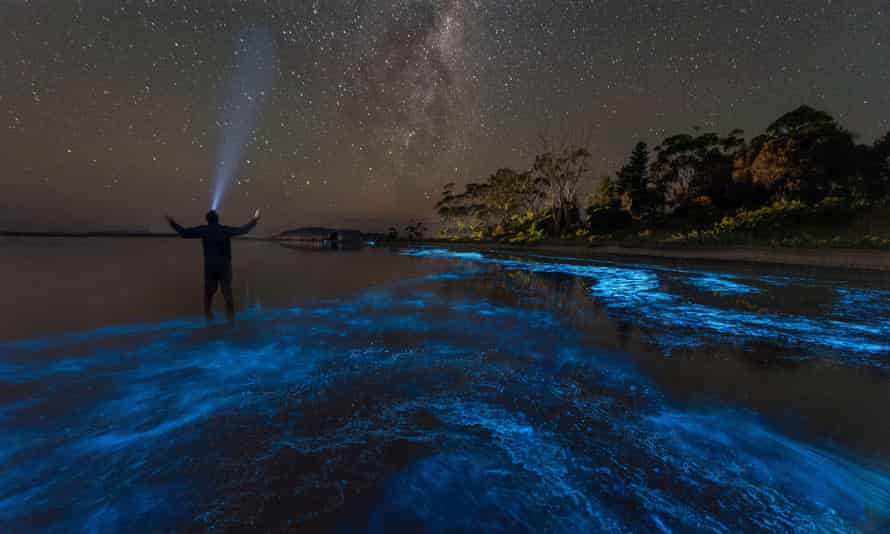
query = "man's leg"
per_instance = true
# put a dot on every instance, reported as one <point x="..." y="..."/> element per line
<point x="225" y="283"/>
<point x="210" y="282"/>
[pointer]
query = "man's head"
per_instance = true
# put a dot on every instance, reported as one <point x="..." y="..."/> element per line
<point x="212" y="217"/>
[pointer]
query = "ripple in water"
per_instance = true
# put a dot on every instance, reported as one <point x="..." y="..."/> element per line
<point x="416" y="408"/>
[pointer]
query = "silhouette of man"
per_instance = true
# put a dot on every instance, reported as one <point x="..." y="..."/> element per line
<point x="216" y="242"/>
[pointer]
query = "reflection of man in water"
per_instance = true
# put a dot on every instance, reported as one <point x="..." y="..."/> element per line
<point x="216" y="241"/>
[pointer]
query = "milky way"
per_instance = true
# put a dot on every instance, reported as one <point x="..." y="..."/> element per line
<point x="110" y="109"/>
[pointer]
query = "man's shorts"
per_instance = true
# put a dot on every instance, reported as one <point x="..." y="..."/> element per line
<point x="217" y="275"/>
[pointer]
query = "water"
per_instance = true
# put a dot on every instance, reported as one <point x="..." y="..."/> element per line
<point x="433" y="391"/>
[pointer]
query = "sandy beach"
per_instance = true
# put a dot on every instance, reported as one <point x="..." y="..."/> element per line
<point x="843" y="258"/>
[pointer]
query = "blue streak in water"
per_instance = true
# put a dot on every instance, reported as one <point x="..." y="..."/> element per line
<point x="790" y="478"/>
<point x="514" y="443"/>
<point x="722" y="283"/>
<point x="852" y="303"/>
<point x="638" y="292"/>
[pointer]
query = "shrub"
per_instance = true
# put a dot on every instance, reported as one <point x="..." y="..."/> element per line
<point x="598" y="238"/>
<point x="762" y="220"/>
<point x="528" y="227"/>
<point x="607" y="218"/>
<point x="770" y="222"/>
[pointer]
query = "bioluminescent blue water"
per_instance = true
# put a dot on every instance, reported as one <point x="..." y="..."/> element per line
<point x="473" y="399"/>
<point x="250" y="79"/>
<point x="859" y="304"/>
<point x="643" y="294"/>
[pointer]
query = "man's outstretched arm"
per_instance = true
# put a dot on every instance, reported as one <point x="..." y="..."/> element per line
<point x="241" y="230"/>
<point x="186" y="233"/>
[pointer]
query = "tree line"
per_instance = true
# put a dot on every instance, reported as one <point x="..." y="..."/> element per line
<point x="804" y="156"/>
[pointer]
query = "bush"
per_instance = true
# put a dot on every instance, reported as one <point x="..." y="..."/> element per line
<point x="599" y="238"/>
<point x="528" y="228"/>
<point x="464" y="231"/>
<point x="871" y="241"/>
<point x="607" y="218"/>
<point x="765" y="220"/>
<point x="771" y="222"/>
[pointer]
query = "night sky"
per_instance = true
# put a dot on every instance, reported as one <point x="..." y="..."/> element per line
<point x="113" y="111"/>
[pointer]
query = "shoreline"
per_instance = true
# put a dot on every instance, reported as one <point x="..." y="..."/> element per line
<point x="836" y="258"/>
<point x="839" y="258"/>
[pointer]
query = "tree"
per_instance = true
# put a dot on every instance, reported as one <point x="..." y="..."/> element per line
<point x="882" y="150"/>
<point x="528" y="192"/>
<point x="392" y="234"/>
<point x="504" y="194"/>
<point x="695" y="169"/>
<point x="415" y="230"/>
<point x="877" y="179"/>
<point x="634" y="185"/>
<point x="561" y="173"/>
<point x="459" y="210"/>
<point x="605" y="213"/>
<point x="804" y="155"/>
<point x="634" y="176"/>
<point x="802" y="121"/>
<point x="606" y="195"/>
<point x="488" y="208"/>
<point x="450" y="209"/>
<point x="560" y="169"/>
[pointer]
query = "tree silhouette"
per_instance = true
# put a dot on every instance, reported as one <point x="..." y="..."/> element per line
<point x="695" y="168"/>
<point x="804" y="155"/>
<point x="561" y="174"/>
<point x="561" y="169"/>
<point x="635" y="186"/>
<point x="803" y="120"/>
<point x="491" y="204"/>
<point x="634" y="176"/>
<point x="450" y="208"/>
<point x="878" y="180"/>
<point x="699" y="177"/>
<point x="606" y="212"/>
<point x="415" y="230"/>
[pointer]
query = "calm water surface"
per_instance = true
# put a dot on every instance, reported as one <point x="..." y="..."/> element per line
<point x="430" y="390"/>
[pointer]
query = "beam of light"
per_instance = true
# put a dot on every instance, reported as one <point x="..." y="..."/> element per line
<point x="251" y="77"/>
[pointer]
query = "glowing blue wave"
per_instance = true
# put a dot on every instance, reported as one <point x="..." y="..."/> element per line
<point x="643" y="294"/>
<point x="722" y="283"/>
<point x="853" y="303"/>
<point x="449" y="412"/>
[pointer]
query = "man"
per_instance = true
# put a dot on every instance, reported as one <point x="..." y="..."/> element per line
<point x="216" y="241"/>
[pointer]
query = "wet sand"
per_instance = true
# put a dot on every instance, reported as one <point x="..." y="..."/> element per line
<point x="842" y="258"/>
